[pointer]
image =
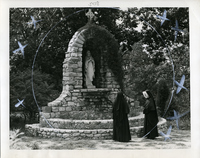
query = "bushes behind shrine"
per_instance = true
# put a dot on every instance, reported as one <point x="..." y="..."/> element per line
<point x="21" y="88"/>
<point x="141" y="73"/>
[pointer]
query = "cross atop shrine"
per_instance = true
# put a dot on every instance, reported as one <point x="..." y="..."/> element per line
<point x="90" y="15"/>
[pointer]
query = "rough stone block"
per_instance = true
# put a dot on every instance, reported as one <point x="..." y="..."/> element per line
<point x="83" y="134"/>
<point x="68" y="109"/>
<point x="46" y="109"/>
<point x="64" y="83"/>
<point x="108" y="74"/>
<point x="76" y="90"/>
<point x="74" y="66"/>
<point x="71" y="49"/>
<point x="118" y="86"/>
<point x="75" y="49"/>
<point x="74" y="54"/>
<point x="109" y="79"/>
<point x="82" y="103"/>
<point x="55" y="125"/>
<point x="84" y="90"/>
<point x="68" y="98"/>
<point x="59" y="135"/>
<point x="46" y="115"/>
<point x="80" y="49"/>
<point x="76" y="34"/>
<point x="77" y="87"/>
<point x="78" y="78"/>
<point x="61" y="108"/>
<point x="97" y="135"/>
<point x="108" y="82"/>
<point x="74" y="60"/>
<point x="79" y="74"/>
<point x="109" y="86"/>
<point x="74" y="98"/>
<point x="63" y="102"/>
<point x="51" y="104"/>
<point x="69" y="87"/>
<point x="81" y="36"/>
<point x="76" y="134"/>
<point x="79" y="82"/>
<point x="83" y="108"/>
<point x="72" y="40"/>
<point x="80" y="64"/>
<point x="132" y="104"/>
<point x="75" y="94"/>
<point x="54" y="109"/>
<point x="101" y="132"/>
<point x="80" y="54"/>
<point x="137" y="103"/>
<point x="66" y="77"/>
<point x="67" y="56"/>
<point x="53" y="115"/>
<point x="87" y="132"/>
<point x="43" y="133"/>
<point x="90" y="135"/>
<point x="72" y="74"/>
<point x="53" y="134"/>
<point x="80" y="41"/>
<point x="75" y="44"/>
<point x="66" y="135"/>
<point x="79" y="70"/>
<point x="57" y="114"/>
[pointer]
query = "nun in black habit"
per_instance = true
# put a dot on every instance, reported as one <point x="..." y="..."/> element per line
<point x="151" y="117"/>
<point x="121" y="130"/>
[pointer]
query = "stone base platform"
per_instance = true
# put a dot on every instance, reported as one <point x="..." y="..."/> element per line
<point x="89" y="124"/>
<point x="37" y="130"/>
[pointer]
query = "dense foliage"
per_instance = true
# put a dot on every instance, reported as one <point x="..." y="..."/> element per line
<point x="21" y="88"/>
<point x="162" y="96"/>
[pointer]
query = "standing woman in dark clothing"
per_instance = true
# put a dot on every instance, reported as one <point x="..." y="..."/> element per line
<point x="151" y="117"/>
<point x="121" y="130"/>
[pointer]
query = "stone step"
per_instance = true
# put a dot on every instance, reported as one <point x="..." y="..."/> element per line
<point x="89" y="124"/>
<point x="36" y="130"/>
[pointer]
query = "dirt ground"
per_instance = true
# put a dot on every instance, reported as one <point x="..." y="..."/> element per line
<point x="180" y="139"/>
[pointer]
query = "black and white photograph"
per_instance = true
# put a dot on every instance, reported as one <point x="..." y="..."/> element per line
<point x="96" y="78"/>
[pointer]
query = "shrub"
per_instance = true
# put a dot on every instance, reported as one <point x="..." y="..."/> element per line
<point x="162" y="96"/>
<point x="21" y="88"/>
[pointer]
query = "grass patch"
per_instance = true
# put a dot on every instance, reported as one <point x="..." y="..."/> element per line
<point x="71" y="145"/>
<point x="22" y="142"/>
<point x="181" y="144"/>
<point x="13" y="135"/>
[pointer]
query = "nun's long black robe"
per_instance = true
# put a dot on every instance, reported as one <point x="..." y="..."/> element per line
<point x="151" y="119"/>
<point x="121" y="130"/>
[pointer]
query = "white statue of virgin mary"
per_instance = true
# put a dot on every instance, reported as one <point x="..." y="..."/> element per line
<point x="89" y="70"/>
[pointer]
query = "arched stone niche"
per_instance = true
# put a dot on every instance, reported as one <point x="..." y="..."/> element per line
<point x="76" y="100"/>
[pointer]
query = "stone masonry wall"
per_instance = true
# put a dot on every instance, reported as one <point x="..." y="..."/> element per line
<point x="74" y="98"/>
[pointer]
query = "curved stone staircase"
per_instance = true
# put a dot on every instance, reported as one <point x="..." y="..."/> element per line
<point x="85" y="129"/>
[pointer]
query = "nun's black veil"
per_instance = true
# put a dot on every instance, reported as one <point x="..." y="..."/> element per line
<point x="120" y="105"/>
<point x="152" y="106"/>
<point x="121" y="130"/>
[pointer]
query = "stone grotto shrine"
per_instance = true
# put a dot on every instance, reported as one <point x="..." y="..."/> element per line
<point x="84" y="108"/>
